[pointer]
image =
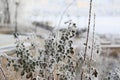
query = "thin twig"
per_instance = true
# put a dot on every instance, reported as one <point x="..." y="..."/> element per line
<point x="93" y="40"/>
<point x="4" y="55"/>
<point x="81" y="76"/>
<point x="16" y="20"/>
<point x="3" y="73"/>
<point x="2" y="69"/>
<point x="61" y="18"/>
<point x="88" y="31"/>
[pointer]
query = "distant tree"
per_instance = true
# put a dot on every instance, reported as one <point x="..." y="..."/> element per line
<point x="6" y="11"/>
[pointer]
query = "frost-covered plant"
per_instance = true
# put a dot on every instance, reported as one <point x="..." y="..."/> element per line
<point x="58" y="59"/>
<point x="58" y="53"/>
<point x="25" y="63"/>
<point x="55" y="60"/>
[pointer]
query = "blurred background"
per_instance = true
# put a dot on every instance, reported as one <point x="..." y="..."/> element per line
<point x="50" y="11"/>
